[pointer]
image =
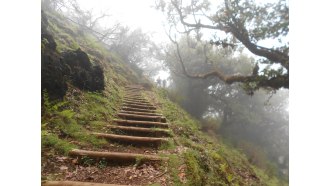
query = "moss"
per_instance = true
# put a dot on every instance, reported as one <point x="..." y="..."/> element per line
<point x="195" y="173"/>
<point x="208" y="160"/>
<point x="52" y="140"/>
<point x="168" y="145"/>
<point x="173" y="166"/>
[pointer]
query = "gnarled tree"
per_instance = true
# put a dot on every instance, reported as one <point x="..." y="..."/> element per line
<point x="237" y="24"/>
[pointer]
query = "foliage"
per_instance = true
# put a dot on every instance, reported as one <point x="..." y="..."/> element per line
<point x="52" y="140"/>
<point x="102" y="163"/>
<point x="234" y="25"/>
<point x="87" y="161"/>
<point x="237" y="116"/>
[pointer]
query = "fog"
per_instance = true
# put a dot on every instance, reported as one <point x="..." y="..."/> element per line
<point x="251" y="118"/>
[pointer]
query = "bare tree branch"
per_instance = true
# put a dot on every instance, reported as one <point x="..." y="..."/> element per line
<point x="241" y="34"/>
<point x="262" y="81"/>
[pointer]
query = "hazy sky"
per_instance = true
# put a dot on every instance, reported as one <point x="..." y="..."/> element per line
<point x="141" y="14"/>
<point x="132" y="13"/>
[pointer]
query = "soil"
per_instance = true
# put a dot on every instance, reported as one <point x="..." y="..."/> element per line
<point x="57" y="167"/>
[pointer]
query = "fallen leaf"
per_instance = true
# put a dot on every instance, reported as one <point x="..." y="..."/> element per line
<point x="63" y="168"/>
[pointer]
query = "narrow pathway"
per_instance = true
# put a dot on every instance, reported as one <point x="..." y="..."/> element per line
<point x="139" y="131"/>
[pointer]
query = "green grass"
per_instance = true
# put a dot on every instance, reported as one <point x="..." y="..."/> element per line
<point x="68" y="121"/>
<point x="194" y="172"/>
<point x="52" y="140"/>
<point x="167" y="145"/>
<point x="208" y="160"/>
<point x="173" y="164"/>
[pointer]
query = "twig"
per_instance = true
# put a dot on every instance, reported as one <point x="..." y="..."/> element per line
<point x="161" y="174"/>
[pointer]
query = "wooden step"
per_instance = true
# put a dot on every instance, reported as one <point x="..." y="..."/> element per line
<point x="140" y="113"/>
<point x="138" y="109"/>
<point x="116" y="155"/>
<point x="135" y="86"/>
<point x="138" y="88"/>
<point x="139" y="106"/>
<point x="137" y="100"/>
<point x="139" y="117"/>
<point x="133" y="90"/>
<point x="156" y="131"/>
<point x="134" y="97"/>
<point x="141" y="123"/>
<point x="137" y="103"/>
<point x="133" y="94"/>
<point x="75" y="183"/>
<point x="131" y="139"/>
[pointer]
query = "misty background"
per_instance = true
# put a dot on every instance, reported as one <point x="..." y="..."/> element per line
<point x="256" y="122"/>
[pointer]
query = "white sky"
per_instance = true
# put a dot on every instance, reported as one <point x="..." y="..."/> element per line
<point x="135" y="14"/>
<point x="132" y="13"/>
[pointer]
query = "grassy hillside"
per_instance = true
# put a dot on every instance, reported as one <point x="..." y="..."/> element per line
<point x="196" y="158"/>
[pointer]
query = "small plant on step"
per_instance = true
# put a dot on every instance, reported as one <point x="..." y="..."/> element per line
<point x="102" y="163"/>
<point x="138" y="161"/>
<point x="87" y="161"/>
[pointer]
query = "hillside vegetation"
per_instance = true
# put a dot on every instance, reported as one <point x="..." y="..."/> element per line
<point x="82" y="88"/>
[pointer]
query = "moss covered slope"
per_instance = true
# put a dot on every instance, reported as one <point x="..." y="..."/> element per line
<point x="203" y="160"/>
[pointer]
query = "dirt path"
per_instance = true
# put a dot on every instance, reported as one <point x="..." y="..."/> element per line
<point x="132" y="157"/>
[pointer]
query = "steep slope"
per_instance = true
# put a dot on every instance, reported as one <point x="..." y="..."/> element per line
<point x="75" y="115"/>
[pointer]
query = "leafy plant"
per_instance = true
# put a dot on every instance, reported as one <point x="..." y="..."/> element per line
<point x="87" y="161"/>
<point x="102" y="163"/>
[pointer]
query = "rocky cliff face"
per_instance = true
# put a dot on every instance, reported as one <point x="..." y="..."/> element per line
<point x="58" y="69"/>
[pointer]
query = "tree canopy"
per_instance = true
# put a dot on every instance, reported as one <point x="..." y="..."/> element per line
<point x="237" y="24"/>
